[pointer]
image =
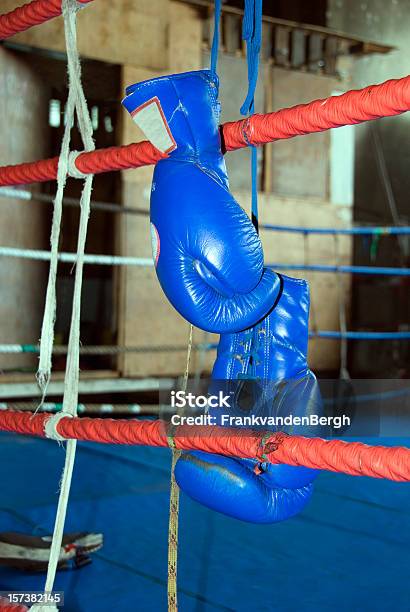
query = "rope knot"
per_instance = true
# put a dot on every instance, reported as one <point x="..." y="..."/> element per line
<point x="270" y="442"/>
<point x="50" y="426"/>
<point x="72" y="169"/>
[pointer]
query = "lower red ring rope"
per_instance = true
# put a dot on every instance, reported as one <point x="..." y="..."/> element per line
<point x="354" y="458"/>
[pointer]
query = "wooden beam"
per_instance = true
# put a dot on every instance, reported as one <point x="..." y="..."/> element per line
<point x="110" y="385"/>
<point x="359" y="45"/>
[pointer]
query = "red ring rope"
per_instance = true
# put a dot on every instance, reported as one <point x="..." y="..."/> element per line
<point x="356" y="106"/>
<point x="384" y="100"/>
<point x="29" y="15"/>
<point x="354" y="458"/>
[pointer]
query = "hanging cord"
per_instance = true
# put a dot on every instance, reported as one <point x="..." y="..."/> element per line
<point x="76" y="103"/>
<point x="215" y="39"/>
<point x="343" y="372"/>
<point x="174" y="503"/>
<point x="201" y="357"/>
<point x="388" y="189"/>
<point x="252" y="34"/>
<point x="306" y="262"/>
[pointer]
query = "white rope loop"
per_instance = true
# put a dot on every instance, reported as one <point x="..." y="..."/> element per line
<point x="72" y="169"/>
<point x="50" y="426"/>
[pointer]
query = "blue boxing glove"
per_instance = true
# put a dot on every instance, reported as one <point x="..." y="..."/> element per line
<point x="207" y="254"/>
<point x="266" y="369"/>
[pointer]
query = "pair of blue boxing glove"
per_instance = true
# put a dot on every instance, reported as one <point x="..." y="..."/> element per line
<point x="209" y="262"/>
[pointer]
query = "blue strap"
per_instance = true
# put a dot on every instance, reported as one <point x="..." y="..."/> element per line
<point x="215" y="40"/>
<point x="252" y="34"/>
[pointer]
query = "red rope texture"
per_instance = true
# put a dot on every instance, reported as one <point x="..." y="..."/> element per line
<point x="388" y="99"/>
<point x="373" y="102"/>
<point x="354" y="458"/>
<point x="94" y="162"/>
<point x="29" y="15"/>
<point x="6" y="606"/>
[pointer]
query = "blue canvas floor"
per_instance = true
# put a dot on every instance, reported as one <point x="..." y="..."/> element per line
<point x="349" y="550"/>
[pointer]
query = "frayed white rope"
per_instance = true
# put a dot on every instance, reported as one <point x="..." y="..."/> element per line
<point x="76" y="102"/>
<point x="50" y="426"/>
<point x="72" y="169"/>
<point x="47" y="330"/>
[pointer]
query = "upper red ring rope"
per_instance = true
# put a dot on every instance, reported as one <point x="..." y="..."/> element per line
<point x="34" y="13"/>
<point x="384" y="100"/>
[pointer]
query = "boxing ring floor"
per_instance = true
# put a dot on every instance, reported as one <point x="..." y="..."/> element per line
<point x="349" y="550"/>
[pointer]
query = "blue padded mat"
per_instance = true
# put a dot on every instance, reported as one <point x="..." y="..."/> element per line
<point x="349" y="550"/>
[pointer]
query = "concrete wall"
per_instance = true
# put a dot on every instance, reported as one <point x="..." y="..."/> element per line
<point x="386" y="21"/>
<point x="23" y="120"/>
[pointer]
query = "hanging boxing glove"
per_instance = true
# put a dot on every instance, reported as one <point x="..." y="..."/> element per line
<point x="265" y="369"/>
<point x="207" y="254"/>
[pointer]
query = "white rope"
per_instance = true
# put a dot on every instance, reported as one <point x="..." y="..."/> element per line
<point x="76" y="102"/>
<point x="104" y="260"/>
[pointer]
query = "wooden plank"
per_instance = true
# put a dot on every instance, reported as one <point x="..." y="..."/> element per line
<point x="298" y="54"/>
<point x="331" y="55"/>
<point x="113" y="385"/>
<point x="232" y="34"/>
<point x="282" y="51"/>
<point x="267" y="42"/>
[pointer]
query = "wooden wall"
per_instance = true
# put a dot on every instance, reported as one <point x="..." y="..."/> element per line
<point x="149" y="39"/>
